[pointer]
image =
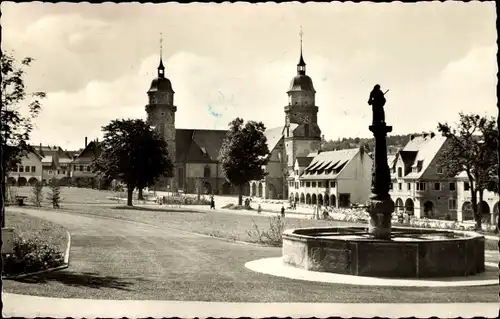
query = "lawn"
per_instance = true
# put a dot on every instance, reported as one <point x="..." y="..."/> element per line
<point x="113" y="259"/>
<point x="27" y="226"/>
<point x="218" y="224"/>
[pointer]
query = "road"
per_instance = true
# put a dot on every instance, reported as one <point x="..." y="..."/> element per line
<point x="117" y="259"/>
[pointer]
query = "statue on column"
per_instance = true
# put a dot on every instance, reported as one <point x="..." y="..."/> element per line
<point x="377" y="101"/>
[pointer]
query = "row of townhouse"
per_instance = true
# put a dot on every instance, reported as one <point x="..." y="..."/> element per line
<point x="333" y="178"/>
<point x="420" y="188"/>
<point x="45" y="163"/>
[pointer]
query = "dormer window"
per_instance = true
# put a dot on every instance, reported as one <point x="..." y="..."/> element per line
<point x="400" y="172"/>
<point x="204" y="151"/>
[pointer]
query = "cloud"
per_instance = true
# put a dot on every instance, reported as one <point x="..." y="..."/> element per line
<point x="205" y="85"/>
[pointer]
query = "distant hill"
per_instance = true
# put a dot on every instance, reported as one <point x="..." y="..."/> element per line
<point x="393" y="143"/>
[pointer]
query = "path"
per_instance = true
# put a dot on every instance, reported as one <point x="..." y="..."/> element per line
<point x="116" y="259"/>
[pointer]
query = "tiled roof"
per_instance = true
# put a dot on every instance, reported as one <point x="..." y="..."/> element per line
<point x="92" y="150"/>
<point x="304" y="161"/>
<point x="198" y="145"/>
<point x="273" y="136"/>
<point x="328" y="165"/>
<point x="427" y="148"/>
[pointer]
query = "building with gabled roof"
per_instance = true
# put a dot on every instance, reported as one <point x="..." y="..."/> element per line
<point x="42" y="163"/>
<point x="418" y="185"/>
<point x="195" y="152"/>
<point x="334" y="178"/>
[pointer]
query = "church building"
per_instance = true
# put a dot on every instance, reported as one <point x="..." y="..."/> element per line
<point x="194" y="152"/>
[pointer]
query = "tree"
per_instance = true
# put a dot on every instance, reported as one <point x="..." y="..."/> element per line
<point x="244" y="153"/>
<point x="37" y="193"/>
<point x="15" y="127"/>
<point x="134" y="154"/>
<point x="471" y="148"/>
<point x="54" y="195"/>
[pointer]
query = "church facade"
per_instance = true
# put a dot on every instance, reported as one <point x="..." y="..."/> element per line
<point x="195" y="152"/>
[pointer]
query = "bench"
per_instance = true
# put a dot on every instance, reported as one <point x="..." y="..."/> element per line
<point x="20" y="200"/>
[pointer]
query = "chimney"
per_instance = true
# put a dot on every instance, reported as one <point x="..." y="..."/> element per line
<point x="40" y="146"/>
<point x="85" y="141"/>
<point x="425" y="135"/>
<point x="412" y="137"/>
<point x="432" y="134"/>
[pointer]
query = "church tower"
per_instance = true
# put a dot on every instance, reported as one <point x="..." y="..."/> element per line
<point x="161" y="110"/>
<point x="302" y="133"/>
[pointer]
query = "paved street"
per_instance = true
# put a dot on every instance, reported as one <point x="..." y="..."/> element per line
<point x="116" y="259"/>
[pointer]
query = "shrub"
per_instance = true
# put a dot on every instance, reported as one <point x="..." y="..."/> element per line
<point x="54" y="195"/>
<point x="236" y="207"/>
<point x="271" y="237"/>
<point x="31" y="255"/>
<point x="37" y="194"/>
<point x="184" y="200"/>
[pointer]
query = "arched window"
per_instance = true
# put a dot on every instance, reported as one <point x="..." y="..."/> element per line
<point x="206" y="171"/>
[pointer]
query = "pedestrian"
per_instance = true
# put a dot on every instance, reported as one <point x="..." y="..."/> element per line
<point x="212" y="202"/>
<point x="282" y="211"/>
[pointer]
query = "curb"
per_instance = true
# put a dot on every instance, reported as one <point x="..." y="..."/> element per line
<point x="63" y="266"/>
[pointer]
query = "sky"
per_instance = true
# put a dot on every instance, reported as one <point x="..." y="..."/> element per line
<point x="96" y="62"/>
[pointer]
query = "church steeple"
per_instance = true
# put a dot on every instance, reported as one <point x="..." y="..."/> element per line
<point x="301" y="67"/>
<point x="161" y="68"/>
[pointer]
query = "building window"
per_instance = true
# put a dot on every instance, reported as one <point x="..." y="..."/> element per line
<point x="308" y="184"/>
<point x="452" y="203"/>
<point x="390" y="186"/>
<point x="332" y="184"/>
<point x="400" y="172"/>
<point x="437" y="186"/>
<point x="421" y="187"/>
<point x="466" y="186"/>
<point x="206" y="172"/>
<point x="408" y="186"/>
<point x="81" y="168"/>
<point x="439" y="170"/>
<point x="452" y="186"/>
<point x="400" y="186"/>
<point x="33" y="169"/>
<point x="296" y="185"/>
<point x="14" y="169"/>
<point x="320" y="184"/>
<point x="64" y="172"/>
<point x="313" y="184"/>
<point x="27" y="169"/>
<point x="50" y="172"/>
<point x="88" y="168"/>
<point x="297" y="172"/>
<point x="301" y="184"/>
<point x="21" y="169"/>
<point x="58" y="172"/>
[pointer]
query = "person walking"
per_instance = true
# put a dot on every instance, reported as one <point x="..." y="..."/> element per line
<point x="282" y="211"/>
<point x="212" y="202"/>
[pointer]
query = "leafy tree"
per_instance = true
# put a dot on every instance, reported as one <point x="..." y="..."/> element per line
<point x="15" y="127"/>
<point x="471" y="148"/>
<point x="244" y="153"/>
<point x="134" y="154"/>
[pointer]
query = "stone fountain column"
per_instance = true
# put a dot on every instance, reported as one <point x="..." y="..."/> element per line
<point x="380" y="205"/>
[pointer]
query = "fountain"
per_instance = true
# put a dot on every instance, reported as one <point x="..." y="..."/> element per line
<point x="378" y="250"/>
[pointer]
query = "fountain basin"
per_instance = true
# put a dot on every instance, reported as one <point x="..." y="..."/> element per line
<point x="411" y="253"/>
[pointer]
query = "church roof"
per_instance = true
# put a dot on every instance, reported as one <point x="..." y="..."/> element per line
<point x="302" y="82"/>
<point x="161" y="84"/>
<point x="273" y="136"/>
<point x="194" y="145"/>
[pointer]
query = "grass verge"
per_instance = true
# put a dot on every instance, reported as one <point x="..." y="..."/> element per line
<point x="30" y="228"/>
